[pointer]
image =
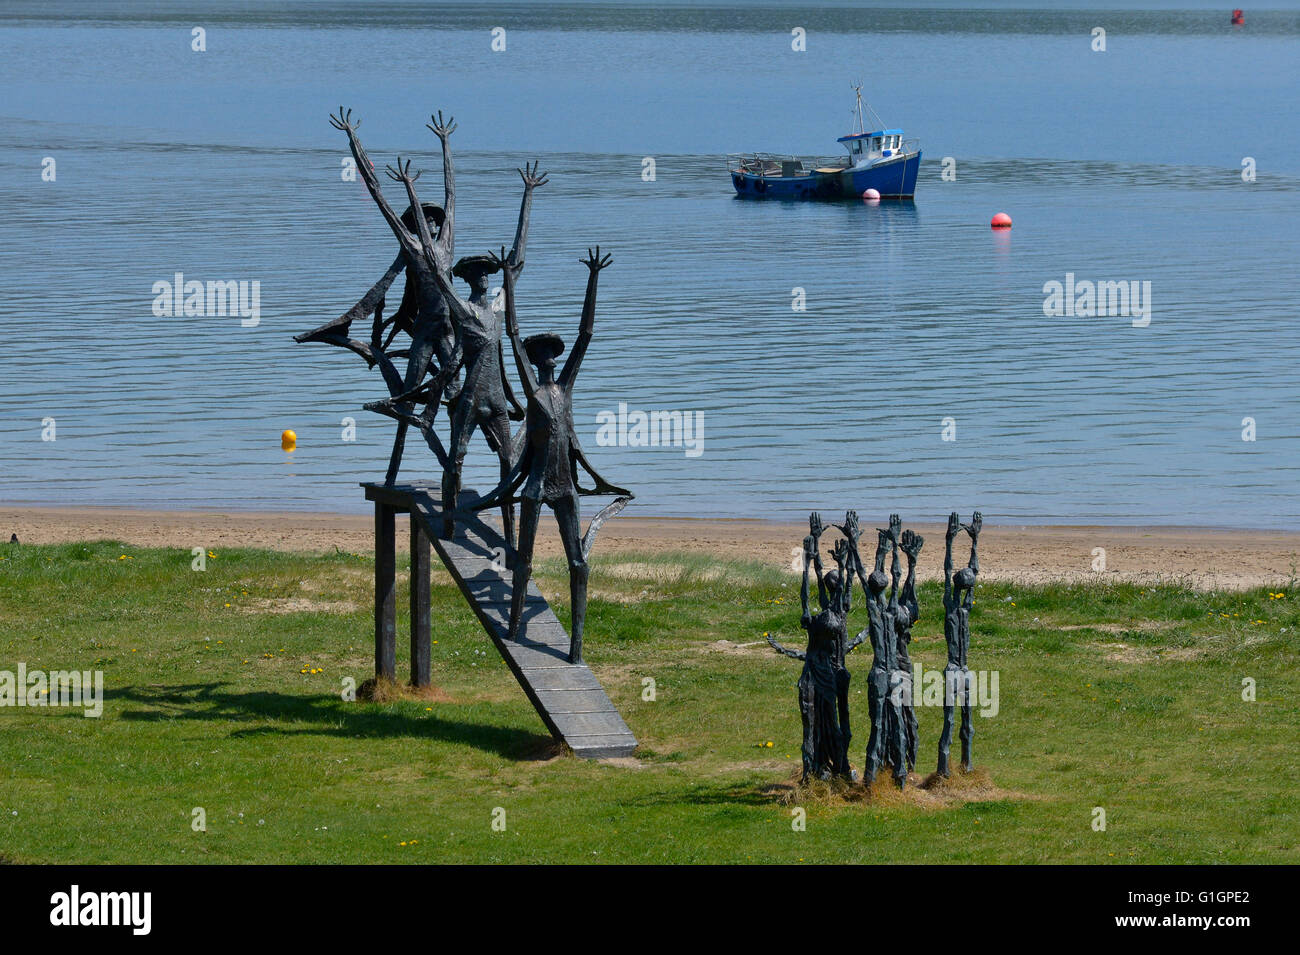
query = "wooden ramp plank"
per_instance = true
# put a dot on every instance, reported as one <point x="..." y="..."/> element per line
<point x="568" y="698"/>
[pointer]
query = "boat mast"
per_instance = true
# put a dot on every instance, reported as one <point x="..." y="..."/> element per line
<point x="862" y="128"/>
<point x="857" y="88"/>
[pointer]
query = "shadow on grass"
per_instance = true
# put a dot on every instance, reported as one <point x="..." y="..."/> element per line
<point x="331" y="717"/>
<point x="744" y="794"/>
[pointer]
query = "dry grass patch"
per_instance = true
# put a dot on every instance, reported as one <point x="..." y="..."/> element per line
<point x="379" y="690"/>
<point x="929" y="793"/>
<point x="284" y="605"/>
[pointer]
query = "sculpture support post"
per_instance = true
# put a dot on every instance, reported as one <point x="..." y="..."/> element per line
<point x="385" y="593"/>
<point x="421" y="670"/>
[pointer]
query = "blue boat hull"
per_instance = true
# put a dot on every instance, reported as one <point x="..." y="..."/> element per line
<point x="893" y="180"/>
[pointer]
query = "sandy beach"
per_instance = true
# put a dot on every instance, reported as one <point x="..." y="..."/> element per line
<point x="1204" y="559"/>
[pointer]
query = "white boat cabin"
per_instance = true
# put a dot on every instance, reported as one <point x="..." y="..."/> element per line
<point x="867" y="149"/>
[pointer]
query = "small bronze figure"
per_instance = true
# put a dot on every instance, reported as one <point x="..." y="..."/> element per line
<point x="425" y="319"/>
<point x="906" y="614"/>
<point x="547" y="469"/>
<point x="485" y="399"/>
<point x="823" y="682"/>
<point x="958" y="595"/>
<point x="885" y="744"/>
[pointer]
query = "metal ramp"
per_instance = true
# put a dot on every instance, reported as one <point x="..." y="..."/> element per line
<point x="568" y="698"/>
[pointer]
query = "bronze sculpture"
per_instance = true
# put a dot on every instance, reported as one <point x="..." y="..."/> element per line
<point x="885" y="744"/>
<point x="546" y="471"/>
<point x="908" y="613"/>
<point x="423" y="314"/>
<point x="958" y="595"/>
<point x="824" y="681"/>
<point x="485" y="400"/>
<point x="450" y="335"/>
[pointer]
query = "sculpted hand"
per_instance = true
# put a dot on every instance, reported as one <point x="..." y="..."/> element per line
<point x="840" y="552"/>
<point x="851" y="529"/>
<point x="504" y="262"/>
<point x="911" y="544"/>
<point x="532" y="179"/>
<point x="594" y="262"/>
<point x="343" y="121"/>
<point x="440" y="129"/>
<point x="402" y="173"/>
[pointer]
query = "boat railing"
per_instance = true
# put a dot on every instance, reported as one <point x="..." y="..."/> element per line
<point x="772" y="164"/>
<point x="910" y="146"/>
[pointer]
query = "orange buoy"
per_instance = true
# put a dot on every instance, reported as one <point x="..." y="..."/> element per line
<point x="288" y="441"/>
<point x="1238" y="18"/>
<point x="1001" y="221"/>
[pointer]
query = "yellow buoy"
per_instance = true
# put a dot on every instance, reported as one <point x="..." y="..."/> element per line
<point x="288" y="441"/>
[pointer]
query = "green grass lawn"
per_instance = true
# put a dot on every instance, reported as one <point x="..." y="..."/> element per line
<point x="224" y="691"/>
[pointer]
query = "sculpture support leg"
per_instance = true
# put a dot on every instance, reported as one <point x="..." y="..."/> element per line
<point x="385" y="596"/>
<point x="967" y="730"/>
<point x="842" y="677"/>
<point x="807" y="708"/>
<point x="395" y="459"/>
<point x="951" y="675"/>
<point x="462" y="427"/>
<point x="566" y="513"/>
<point x="417" y="364"/>
<point x="497" y="432"/>
<point x="897" y="724"/>
<point x="911" y="727"/>
<point x="529" y="512"/>
<point x="877" y="698"/>
<point x="421" y="667"/>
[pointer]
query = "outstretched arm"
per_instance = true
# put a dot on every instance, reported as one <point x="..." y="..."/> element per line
<point x="794" y="654"/>
<point x="402" y="174"/>
<point x="973" y="529"/>
<point x="343" y="121"/>
<point x="911" y="544"/>
<point x="852" y="533"/>
<point x="512" y="325"/>
<point x="895" y="526"/>
<point x="447" y="237"/>
<point x="594" y="264"/>
<point x="809" y="548"/>
<point x="954" y="525"/>
<point x="821" y="583"/>
<point x="882" y="549"/>
<point x="532" y="179"/>
<point x="895" y="575"/>
<point x="516" y="412"/>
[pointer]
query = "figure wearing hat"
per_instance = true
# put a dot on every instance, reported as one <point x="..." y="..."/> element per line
<point x="547" y="469"/>
<point x="422" y="314"/>
<point x="485" y="399"/>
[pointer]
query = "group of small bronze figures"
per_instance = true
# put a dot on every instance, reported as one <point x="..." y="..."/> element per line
<point x="454" y="357"/>
<point x="824" y="683"/>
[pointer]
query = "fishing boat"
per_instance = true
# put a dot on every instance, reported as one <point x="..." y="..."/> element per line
<point x="879" y="159"/>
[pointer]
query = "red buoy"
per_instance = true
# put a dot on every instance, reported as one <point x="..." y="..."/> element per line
<point x="1001" y="221"/>
<point x="870" y="194"/>
<point x="1238" y="18"/>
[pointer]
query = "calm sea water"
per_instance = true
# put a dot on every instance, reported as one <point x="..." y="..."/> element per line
<point x="1116" y="166"/>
